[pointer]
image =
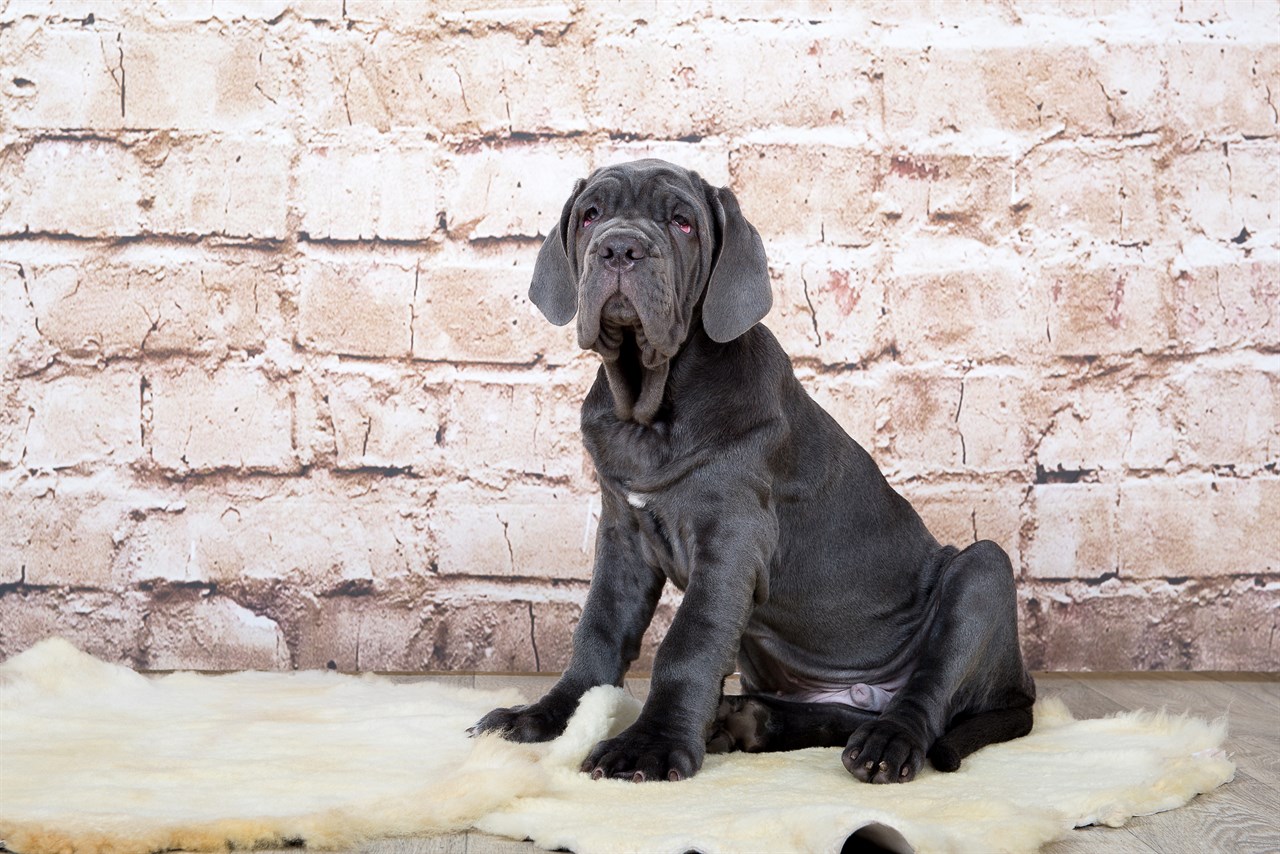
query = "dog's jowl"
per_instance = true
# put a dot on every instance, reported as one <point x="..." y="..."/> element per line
<point x="801" y="567"/>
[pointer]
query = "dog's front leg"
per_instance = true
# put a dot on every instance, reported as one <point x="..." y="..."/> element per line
<point x="620" y="603"/>
<point x="668" y="740"/>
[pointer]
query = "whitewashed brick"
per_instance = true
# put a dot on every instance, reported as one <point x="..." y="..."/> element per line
<point x="318" y="534"/>
<point x="547" y="533"/>
<point x="107" y="625"/>
<point x="236" y="187"/>
<point x="1099" y="191"/>
<point x="264" y="327"/>
<point x="502" y="82"/>
<point x="1225" y="300"/>
<point x="1105" y="308"/>
<point x="524" y="189"/>
<point x="954" y="299"/>
<point x="63" y="536"/>
<point x="1227" y="191"/>
<point x="707" y="79"/>
<point x="1216" y="90"/>
<point x="483" y="314"/>
<point x="205" y="631"/>
<point x="787" y="192"/>
<point x="363" y="192"/>
<point x="922" y="420"/>
<point x="228" y="80"/>
<point x="959" y="194"/>
<point x="1029" y="88"/>
<point x="1075" y="533"/>
<point x="992" y="421"/>
<point x="123" y="306"/>
<point x="1229" y="417"/>
<point x="71" y="79"/>
<point x="126" y="78"/>
<point x="22" y="349"/>
<point x="1109" y="425"/>
<point x="1197" y="527"/>
<point x="496" y="431"/>
<point x="831" y="306"/>
<point x="854" y="400"/>
<point x="108" y="185"/>
<point x="14" y="418"/>
<point x="386" y="423"/>
<point x="235" y="418"/>
<point x="81" y="419"/>
<point x="361" y="307"/>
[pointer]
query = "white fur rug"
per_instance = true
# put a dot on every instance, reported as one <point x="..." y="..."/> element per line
<point x="94" y="757"/>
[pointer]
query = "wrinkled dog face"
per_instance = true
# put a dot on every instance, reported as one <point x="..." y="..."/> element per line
<point x="641" y="250"/>
<point x="641" y="241"/>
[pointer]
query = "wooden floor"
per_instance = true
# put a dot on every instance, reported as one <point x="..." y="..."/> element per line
<point x="1242" y="817"/>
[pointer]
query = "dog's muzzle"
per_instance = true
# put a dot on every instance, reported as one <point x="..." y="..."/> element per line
<point x="622" y="298"/>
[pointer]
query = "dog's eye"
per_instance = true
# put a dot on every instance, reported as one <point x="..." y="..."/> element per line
<point x="682" y="223"/>
<point x="589" y="217"/>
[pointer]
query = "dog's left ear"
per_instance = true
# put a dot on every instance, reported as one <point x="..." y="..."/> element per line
<point x="554" y="289"/>
<point x="738" y="292"/>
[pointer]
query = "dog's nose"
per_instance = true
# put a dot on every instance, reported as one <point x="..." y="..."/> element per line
<point x="621" y="252"/>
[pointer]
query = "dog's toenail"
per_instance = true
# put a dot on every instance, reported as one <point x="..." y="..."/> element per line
<point x="597" y="774"/>
<point x="637" y="777"/>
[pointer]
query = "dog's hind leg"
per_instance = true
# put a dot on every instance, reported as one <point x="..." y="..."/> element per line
<point x="968" y="734"/>
<point x="970" y="682"/>
<point x="758" y="723"/>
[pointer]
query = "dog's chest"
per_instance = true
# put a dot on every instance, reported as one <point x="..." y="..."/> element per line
<point x="642" y="467"/>
<point x="663" y="540"/>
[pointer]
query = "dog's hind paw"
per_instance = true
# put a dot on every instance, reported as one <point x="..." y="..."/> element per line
<point x="741" y="724"/>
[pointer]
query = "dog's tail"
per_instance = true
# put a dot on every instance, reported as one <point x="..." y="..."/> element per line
<point x="982" y="729"/>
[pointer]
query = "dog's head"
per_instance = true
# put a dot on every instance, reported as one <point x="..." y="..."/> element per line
<point x="644" y="249"/>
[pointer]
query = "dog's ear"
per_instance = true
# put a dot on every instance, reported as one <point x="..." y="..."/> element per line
<point x="554" y="289"/>
<point x="738" y="293"/>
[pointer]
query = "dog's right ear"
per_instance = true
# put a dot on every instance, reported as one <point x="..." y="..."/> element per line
<point x="738" y="292"/>
<point x="554" y="289"/>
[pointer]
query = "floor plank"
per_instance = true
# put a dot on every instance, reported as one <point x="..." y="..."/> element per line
<point x="1237" y="817"/>
<point x="1093" y="840"/>
<point x="433" y="845"/>
<point x="484" y="843"/>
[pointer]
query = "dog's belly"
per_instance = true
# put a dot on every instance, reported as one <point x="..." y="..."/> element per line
<point x="770" y="665"/>
<point x="860" y="695"/>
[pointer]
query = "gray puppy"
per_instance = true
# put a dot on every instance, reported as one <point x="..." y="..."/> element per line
<point x="851" y="625"/>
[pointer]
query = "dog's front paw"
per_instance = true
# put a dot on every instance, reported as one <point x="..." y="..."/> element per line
<point x="639" y="755"/>
<point x="541" y="721"/>
<point x="884" y="751"/>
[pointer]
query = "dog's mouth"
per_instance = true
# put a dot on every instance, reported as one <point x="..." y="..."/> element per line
<point x="636" y="369"/>
<point x="622" y="336"/>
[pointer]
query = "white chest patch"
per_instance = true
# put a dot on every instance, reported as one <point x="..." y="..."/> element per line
<point x="637" y="499"/>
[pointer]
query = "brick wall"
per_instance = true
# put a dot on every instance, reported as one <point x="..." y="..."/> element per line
<point x="272" y="394"/>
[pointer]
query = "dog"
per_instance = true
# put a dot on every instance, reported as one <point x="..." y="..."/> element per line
<point x="849" y="623"/>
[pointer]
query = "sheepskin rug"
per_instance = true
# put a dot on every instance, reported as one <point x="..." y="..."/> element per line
<point x="95" y="757"/>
